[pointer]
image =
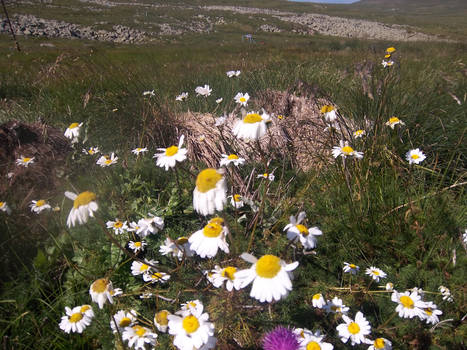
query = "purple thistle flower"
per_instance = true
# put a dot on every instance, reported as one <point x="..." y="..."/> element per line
<point x="280" y="338"/>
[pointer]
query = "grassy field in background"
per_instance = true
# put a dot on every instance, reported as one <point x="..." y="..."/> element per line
<point x="406" y="220"/>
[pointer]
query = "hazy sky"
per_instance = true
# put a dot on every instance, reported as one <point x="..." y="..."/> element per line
<point x="328" y="1"/>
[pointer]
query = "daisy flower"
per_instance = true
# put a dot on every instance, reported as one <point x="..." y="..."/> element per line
<point x="355" y="330"/>
<point x="219" y="100"/>
<point x="209" y="194"/>
<point x="344" y="150"/>
<point x="100" y="291"/>
<point x="191" y="330"/>
<point x="252" y="126"/>
<point x="74" y="321"/>
<point x="220" y="120"/>
<point x="171" y="155"/>
<point x="182" y="96"/>
<point x="380" y="344"/>
<point x="105" y="161"/>
<point x="375" y="273"/>
<point x="329" y="112"/>
<point x="431" y="313"/>
<point x="446" y="293"/>
<point x="84" y="206"/>
<point x="149" y="93"/>
<point x="161" y="277"/>
<point x="280" y="338"/>
<point x="409" y="304"/>
<point x="139" y="268"/>
<point x="389" y="286"/>
<point x="137" y="246"/>
<point x="138" y="336"/>
<point x="24" y="161"/>
<point x="139" y="150"/>
<point x="266" y="176"/>
<point x="350" y="268"/>
<point x="161" y="321"/>
<point x="296" y="231"/>
<point x="393" y="121"/>
<point x="318" y="300"/>
<point x="86" y="310"/>
<point x="149" y="225"/>
<point x="72" y="132"/>
<point x="387" y="63"/>
<point x="314" y="341"/>
<point x="336" y="306"/>
<point x="233" y="73"/>
<point x="227" y="274"/>
<point x="208" y="240"/>
<point x="236" y="201"/>
<point x="177" y="248"/>
<point x="242" y="99"/>
<point x="116" y="292"/>
<point x="231" y="159"/>
<point x="391" y="50"/>
<point x="38" y="206"/>
<point x="118" y="226"/>
<point x="203" y="91"/>
<point x="359" y="133"/>
<point x="4" y="207"/>
<point x="415" y="156"/>
<point x="146" y="295"/>
<point x="270" y="275"/>
<point x="91" y="151"/>
<point x="123" y="319"/>
<point x="191" y="306"/>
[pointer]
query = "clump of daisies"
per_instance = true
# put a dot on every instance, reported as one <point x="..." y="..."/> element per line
<point x="410" y="304"/>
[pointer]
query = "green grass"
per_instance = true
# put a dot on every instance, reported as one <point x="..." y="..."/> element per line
<point x="379" y="211"/>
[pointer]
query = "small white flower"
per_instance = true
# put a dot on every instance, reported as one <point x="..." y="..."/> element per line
<point x="207" y="241"/>
<point x="336" y="306"/>
<point x="137" y="246"/>
<point x="410" y="304"/>
<point x="233" y="73"/>
<point x="171" y="155"/>
<point x="344" y="150"/>
<point x="431" y="313"/>
<point x="118" y="226"/>
<point x="139" y="268"/>
<point x="123" y="319"/>
<point x="100" y="291"/>
<point x="231" y="159"/>
<point x="318" y="301"/>
<point x="359" y="133"/>
<point x="266" y="176"/>
<point x="38" y="206"/>
<point x="209" y="194"/>
<point x="219" y="100"/>
<point x="313" y="341"/>
<point x="177" y="248"/>
<point x="220" y="120"/>
<point x="24" y="161"/>
<point x="252" y="126"/>
<point x="203" y="91"/>
<point x="149" y="93"/>
<point x="183" y="96"/>
<point x="72" y="132"/>
<point x="380" y="344"/>
<point x="446" y="293"/>
<point x="91" y="151"/>
<point x="330" y="114"/>
<point x="388" y="63"/>
<point x="154" y="277"/>
<point x="138" y="336"/>
<point x="236" y="201"/>
<point x="393" y="121"/>
<point x="355" y="330"/>
<point x="161" y="321"/>
<point x="149" y="225"/>
<point x="116" y="292"/>
<point x="296" y="231"/>
<point x="389" y="286"/>
<point x="5" y="208"/>
<point x="139" y="150"/>
<point x="350" y="268"/>
<point x="75" y="321"/>
<point x="227" y="274"/>
<point x="415" y="156"/>
<point x="242" y="98"/>
<point x="375" y="273"/>
<point x="146" y="295"/>
<point x="84" y="206"/>
<point x="105" y="161"/>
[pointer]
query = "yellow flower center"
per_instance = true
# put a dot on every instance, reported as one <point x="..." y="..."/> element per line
<point x="143" y="267"/>
<point x="182" y="240"/>
<point x="347" y="149"/>
<point x="40" y="203"/>
<point x="353" y="328"/>
<point x="190" y="324"/>
<point x="429" y="311"/>
<point x="232" y="156"/>
<point x="192" y="304"/>
<point x="171" y="151"/>
<point x="76" y="317"/>
<point x="73" y="125"/>
<point x="280" y="117"/>
<point x="26" y="159"/>
<point x="317" y="296"/>
<point x="237" y="198"/>
<point x="393" y="120"/>
<point x="212" y="230"/>
<point x="207" y="180"/>
<point x="326" y="109"/>
<point x="229" y="272"/>
<point x="268" y="266"/>
<point x="217" y="220"/>
<point x="303" y="230"/>
<point x="124" y="322"/>
<point x="352" y="266"/>
<point x="156" y="276"/>
<point x="252" y="118"/>
<point x="242" y="99"/>
<point x="100" y="285"/>
<point x="84" y="308"/>
<point x="139" y="331"/>
<point x="265" y="175"/>
<point x="414" y="156"/>
<point x="138" y="244"/>
<point x="313" y="346"/>
<point x="390" y="49"/>
<point x="91" y="151"/>
<point x="407" y="302"/>
<point x="84" y="198"/>
<point x="161" y="317"/>
<point x="118" y="224"/>
<point x="336" y="308"/>
<point x="359" y="132"/>
<point x="374" y="272"/>
<point x="2" y="204"/>
<point x="387" y="56"/>
<point x="108" y="161"/>
<point x="379" y="343"/>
